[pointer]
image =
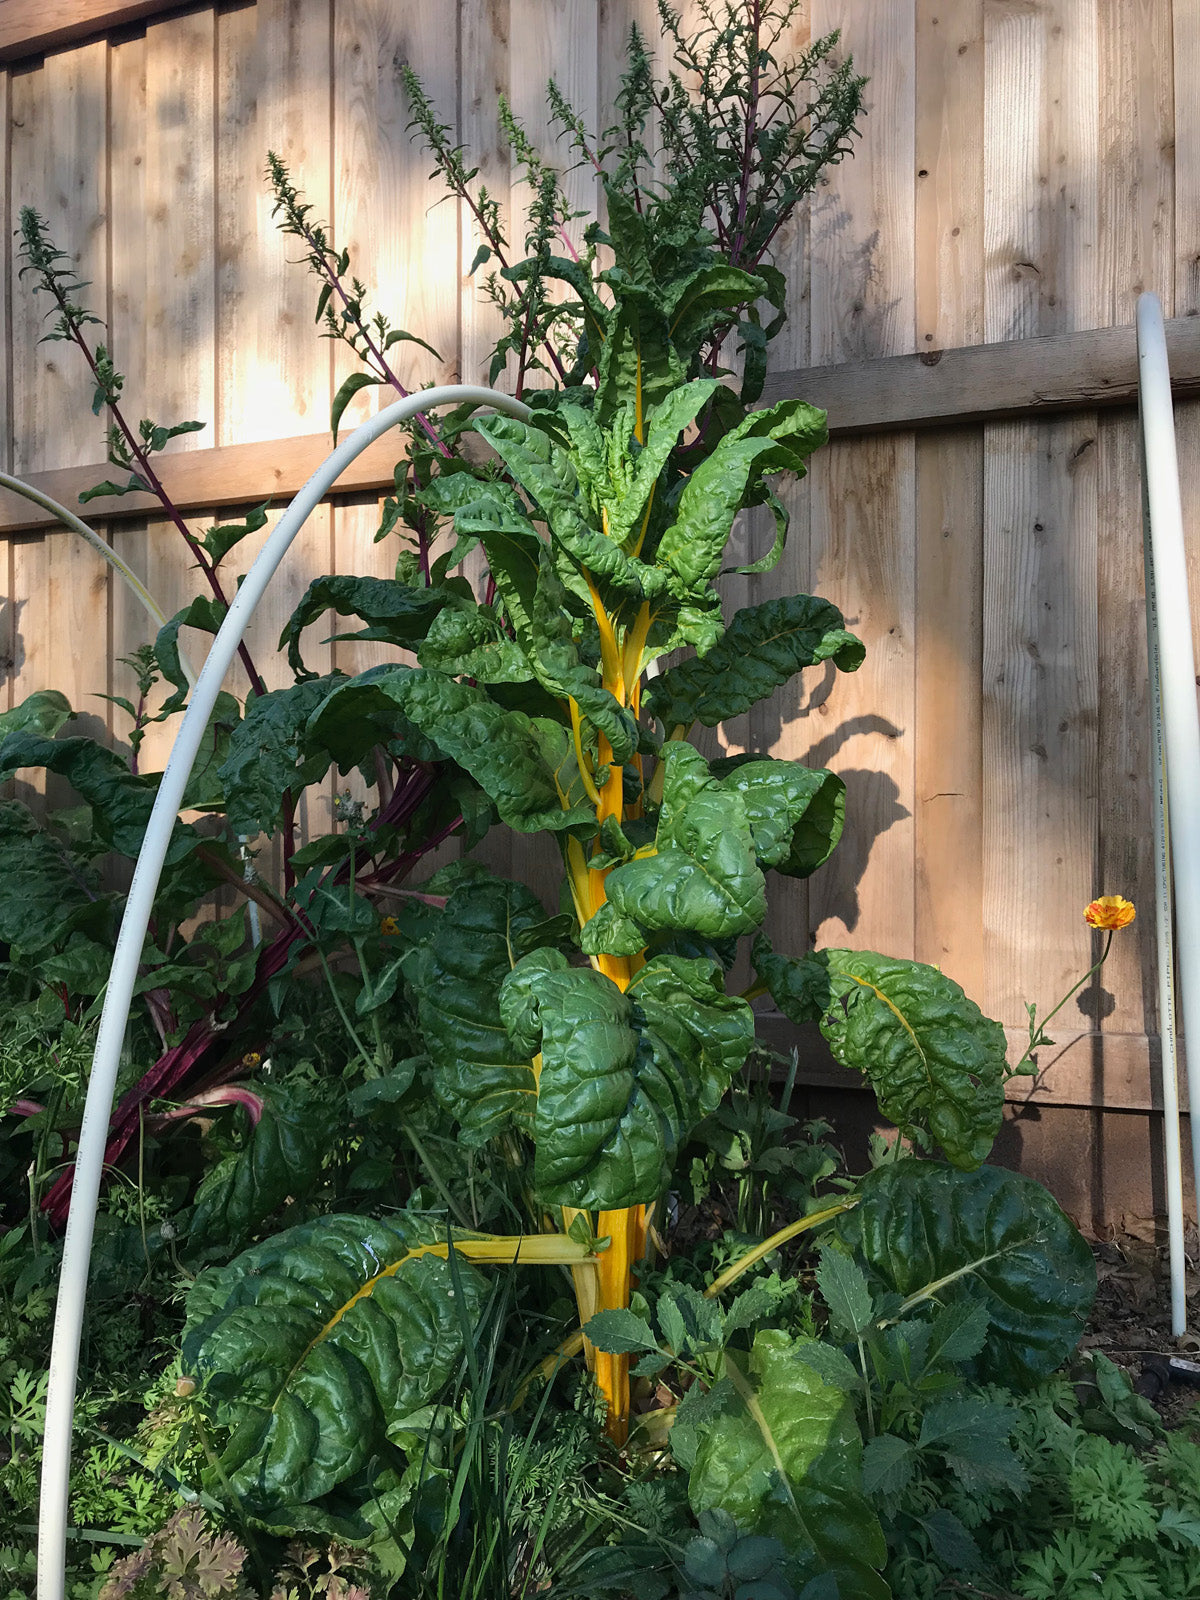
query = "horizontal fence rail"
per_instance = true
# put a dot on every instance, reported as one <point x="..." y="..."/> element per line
<point x="932" y="389"/>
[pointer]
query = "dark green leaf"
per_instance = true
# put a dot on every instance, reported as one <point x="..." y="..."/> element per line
<point x="795" y="812"/>
<point x="620" y="1332"/>
<point x="626" y="1076"/>
<point x="315" y="1346"/>
<point x="844" y="1288"/>
<point x="784" y="1460"/>
<point x="703" y="877"/>
<point x="395" y="613"/>
<point x="888" y="1464"/>
<point x="480" y="1075"/>
<point x="121" y="802"/>
<point x="203" y="613"/>
<point x="989" y="1237"/>
<point x="42" y="712"/>
<point x="268" y="760"/>
<point x="134" y="485"/>
<point x="282" y="1156"/>
<point x="220" y="539"/>
<point x="763" y="647"/>
<point x="935" y="1061"/>
<point x="355" y="382"/>
<point x="44" y="894"/>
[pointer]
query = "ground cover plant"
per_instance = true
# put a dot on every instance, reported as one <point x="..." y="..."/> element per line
<point x="400" y="1170"/>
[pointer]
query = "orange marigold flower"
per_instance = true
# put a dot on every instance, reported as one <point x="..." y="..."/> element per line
<point x="1111" y="911"/>
<point x="389" y="925"/>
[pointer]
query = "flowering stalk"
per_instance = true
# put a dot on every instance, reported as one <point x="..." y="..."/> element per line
<point x="1109" y="914"/>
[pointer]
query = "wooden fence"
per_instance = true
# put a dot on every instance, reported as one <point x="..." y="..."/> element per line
<point x="963" y="292"/>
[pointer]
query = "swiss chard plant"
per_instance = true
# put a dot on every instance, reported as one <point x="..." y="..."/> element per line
<point x="434" y="1081"/>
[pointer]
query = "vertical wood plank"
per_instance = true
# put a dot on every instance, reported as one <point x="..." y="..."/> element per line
<point x="1137" y="179"/>
<point x="1040" y="652"/>
<point x="1040" y="120"/>
<point x="484" y="27"/>
<point x="863" y="507"/>
<point x="1040" y="695"/>
<point x="949" y="749"/>
<point x="59" y="164"/>
<point x="1135" y="225"/>
<point x="273" y="93"/>
<point x="948" y="265"/>
<point x="401" y="232"/>
<point x="1185" y="24"/>
<point x="1125" y="857"/>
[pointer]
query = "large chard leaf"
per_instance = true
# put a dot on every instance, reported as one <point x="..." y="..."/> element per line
<point x="624" y="1076"/>
<point x="767" y="441"/>
<point x="703" y="877"/>
<point x="545" y="471"/>
<point x="781" y="1453"/>
<point x="988" y="1237"/>
<point x="120" y="800"/>
<point x="268" y="758"/>
<point x="764" y="646"/>
<point x="486" y="928"/>
<point x="44" y="895"/>
<point x="42" y="712"/>
<point x="472" y="643"/>
<point x="314" y="1347"/>
<point x="795" y="812"/>
<point x="500" y="749"/>
<point x="395" y="613"/>
<point x="283" y="1156"/>
<point x="935" y="1061"/>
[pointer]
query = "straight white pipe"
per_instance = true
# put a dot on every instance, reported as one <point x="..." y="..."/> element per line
<point x="1177" y="672"/>
<point x="1165" y="940"/>
<point x="93" y="1132"/>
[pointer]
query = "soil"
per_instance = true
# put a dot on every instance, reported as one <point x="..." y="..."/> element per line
<point x="1131" y="1322"/>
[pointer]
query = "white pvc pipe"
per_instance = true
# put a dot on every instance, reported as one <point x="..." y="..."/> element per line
<point x="93" y="1132"/>
<point x="77" y="525"/>
<point x="1171" y="621"/>
<point x="1165" y="941"/>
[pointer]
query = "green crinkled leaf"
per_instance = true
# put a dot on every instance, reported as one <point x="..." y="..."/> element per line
<point x="703" y="299"/>
<point x="625" y="1077"/>
<point x="667" y="421"/>
<point x="704" y="877"/>
<point x="268" y="758"/>
<point x="638" y="366"/>
<point x="783" y="1459"/>
<point x="763" y="647"/>
<point x="120" y="800"/>
<point x="935" y="1062"/>
<point x="485" y="929"/>
<point x="545" y="471"/>
<point x="767" y="441"/>
<point x="795" y="812"/>
<point x="282" y="1156"/>
<point x="395" y="613"/>
<point x="988" y="1237"/>
<point x="501" y="750"/>
<point x="45" y="896"/>
<point x="42" y="712"/>
<point x="314" y="1346"/>
<point x="472" y="643"/>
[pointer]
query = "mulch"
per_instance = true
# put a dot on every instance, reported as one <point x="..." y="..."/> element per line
<point x="1131" y="1321"/>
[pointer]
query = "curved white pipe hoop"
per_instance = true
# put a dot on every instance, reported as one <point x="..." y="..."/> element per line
<point x="93" y="1132"/>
